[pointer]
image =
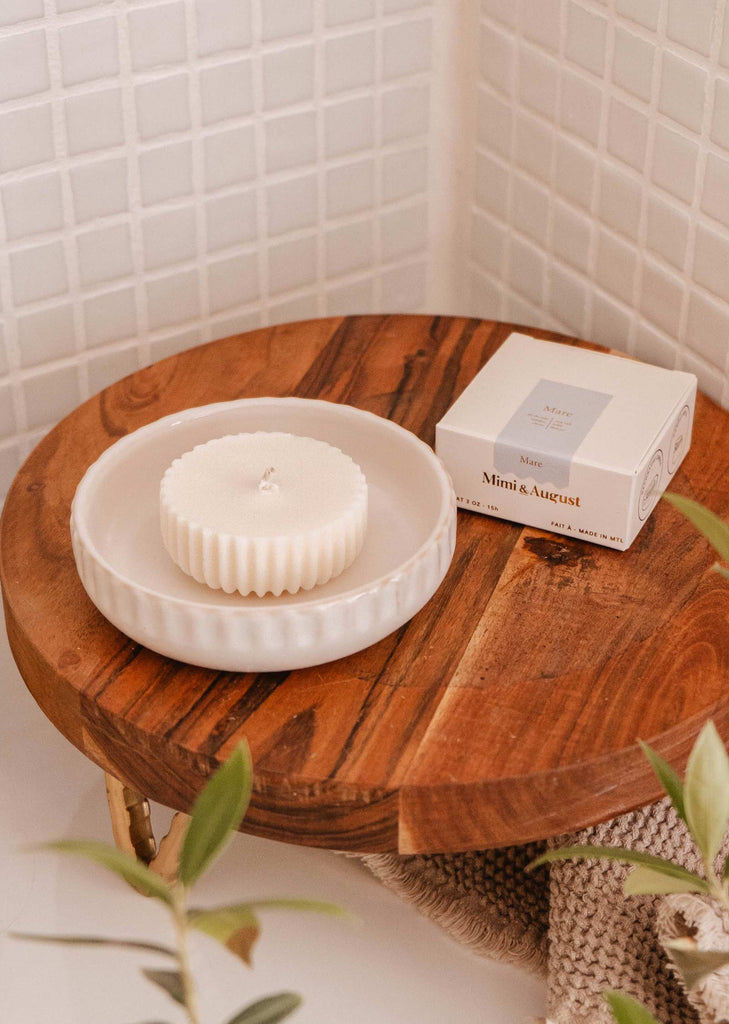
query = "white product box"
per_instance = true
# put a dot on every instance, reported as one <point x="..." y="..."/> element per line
<point x="568" y="440"/>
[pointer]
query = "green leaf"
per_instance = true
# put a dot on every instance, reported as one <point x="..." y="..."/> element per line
<point x="667" y="777"/>
<point x="695" y="964"/>
<point x="627" y="1010"/>
<point x="170" y="981"/>
<point x="665" y="867"/>
<point x="237" y="928"/>
<point x="133" y="871"/>
<point x="713" y="528"/>
<point x="217" y="811"/>
<point x="706" y="791"/>
<point x="642" y="881"/>
<point x="95" y="940"/>
<point x="269" y="1010"/>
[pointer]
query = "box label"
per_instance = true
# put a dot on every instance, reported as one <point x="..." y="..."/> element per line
<point x="542" y="436"/>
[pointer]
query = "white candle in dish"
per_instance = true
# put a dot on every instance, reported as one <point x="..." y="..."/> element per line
<point x="264" y="512"/>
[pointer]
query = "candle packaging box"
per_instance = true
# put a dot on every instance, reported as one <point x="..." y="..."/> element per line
<point x="573" y="441"/>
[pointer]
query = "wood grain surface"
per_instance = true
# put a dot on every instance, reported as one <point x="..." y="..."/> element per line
<point x="508" y="709"/>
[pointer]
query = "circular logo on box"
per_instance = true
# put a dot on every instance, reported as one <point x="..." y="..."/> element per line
<point x="679" y="439"/>
<point x="650" y="490"/>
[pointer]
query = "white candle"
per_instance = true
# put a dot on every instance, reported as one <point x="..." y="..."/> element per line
<point x="263" y="513"/>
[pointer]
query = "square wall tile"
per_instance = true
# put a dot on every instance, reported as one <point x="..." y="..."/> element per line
<point x="4" y="366"/>
<point x="495" y="123"/>
<point x="173" y="300"/>
<point x="502" y="10"/>
<point x="226" y="91"/>
<point x="616" y="265"/>
<point x="627" y="134"/>
<point x="534" y="145"/>
<point x="691" y="22"/>
<point x="491" y="186"/>
<point x="642" y="12"/>
<point x="105" y="368"/>
<point x="711" y="261"/>
<point x="7" y="415"/>
<point x="488" y="243"/>
<point x="292" y="204"/>
<point x="571" y="235"/>
<point x="528" y="265"/>
<point x="89" y="50"/>
<point x="233" y="281"/>
<point x="403" y="231"/>
<point x="350" y="298"/>
<point x="350" y="61"/>
<point x="586" y="38"/>
<point x="405" y="112"/>
<point x="610" y="322"/>
<point x="350" y="188"/>
<point x="10" y="461"/>
<point x="14" y="12"/>
<point x="715" y="196"/>
<point x="230" y="157"/>
<point x="632" y="67"/>
<point x="575" y="173"/>
<point x="530" y="208"/>
<point x="163" y="106"/>
<point x="166" y="172"/>
<point x="292" y="264"/>
<point x="674" y="163"/>
<point x="281" y="18"/>
<point x="711" y="380"/>
<point x="38" y="273"/>
<point x="395" y="6"/>
<point x="568" y="299"/>
<point x="538" y="79"/>
<point x="403" y="288"/>
<point x="231" y="220"/>
<point x="406" y="48"/>
<point x="661" y="297"/>
<point x="23" y="65"/>
<point x="344" y="12"/>
<point x="620" y="201"/>
<point x="223" y="25"/>
<point x="46" y="335"/>
<point x="349" y="126"/>
<point x="720" y="120"/>
<point x="110" y="317"/>
<point x="707" y="329"/>
<point x="33" y="205"/>
<point x="540" y="21"/>
<point x="288" y="76"/>
<point x="724" y="52"/>
<point x="173" y="344"/>
<point x="100" y="189"/>
<point x="497" y="58"/>
<point x="682" y="91"/>
<point x="580" y="107"/>
<point x="290" y="141"/>
<point x="50" y="394"/>
<point x="104" y="254"/>
<point x="94" y="121"/>
<point x="652" y="347"/>
<point x="404" y="174"/>
<point x="26" y="137"/>
<point x="667" y="231"/>
<point x="169" y="237"/>
<point x="157" y="36"/>
<point x="303" y="307"/>
<point x="63" y="6"/>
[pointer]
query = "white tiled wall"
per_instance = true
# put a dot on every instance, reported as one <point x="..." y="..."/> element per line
<point x="172" y="171"/>
<point x="600" y="200"/>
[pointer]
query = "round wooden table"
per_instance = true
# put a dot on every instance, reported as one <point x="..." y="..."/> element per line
<point x="508" y="709"/>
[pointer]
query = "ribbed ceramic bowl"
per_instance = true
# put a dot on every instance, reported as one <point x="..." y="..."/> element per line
<point x="131" y="579"/>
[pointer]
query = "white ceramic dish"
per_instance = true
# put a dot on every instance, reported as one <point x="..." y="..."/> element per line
<point x="132" y="580"/>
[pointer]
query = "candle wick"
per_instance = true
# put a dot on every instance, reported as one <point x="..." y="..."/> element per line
<point x="266" y="483"/>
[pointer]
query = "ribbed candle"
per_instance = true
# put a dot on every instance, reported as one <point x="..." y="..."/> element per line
<point x="263" y="513"/>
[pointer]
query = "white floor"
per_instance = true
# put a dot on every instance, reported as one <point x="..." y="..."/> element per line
<point x="389" y="966"/>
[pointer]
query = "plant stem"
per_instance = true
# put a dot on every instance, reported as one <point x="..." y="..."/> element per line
<point x="183" y="959"/>
<point x="718" y="889"/>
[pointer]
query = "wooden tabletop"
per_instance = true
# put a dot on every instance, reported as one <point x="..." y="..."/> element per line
<point x="508" y="709"/>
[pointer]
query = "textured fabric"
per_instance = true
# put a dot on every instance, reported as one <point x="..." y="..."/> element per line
<point x="686" y="916"/>
<point x="572" y="921"/>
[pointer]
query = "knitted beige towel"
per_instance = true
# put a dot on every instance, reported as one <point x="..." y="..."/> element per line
<point x="570" y="921"/>
<point x="686" y="916"/>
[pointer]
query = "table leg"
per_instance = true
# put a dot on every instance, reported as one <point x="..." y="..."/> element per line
<point x="131" y="825"/>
